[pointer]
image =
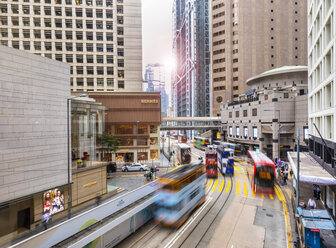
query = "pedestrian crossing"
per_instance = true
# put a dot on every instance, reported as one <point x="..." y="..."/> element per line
<point x="239" y="188"/>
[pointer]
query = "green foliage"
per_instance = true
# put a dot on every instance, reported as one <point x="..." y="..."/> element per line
<point x="108" y="142"/>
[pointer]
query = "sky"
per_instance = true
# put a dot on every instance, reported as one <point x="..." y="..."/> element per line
<point x="157" y="34"/>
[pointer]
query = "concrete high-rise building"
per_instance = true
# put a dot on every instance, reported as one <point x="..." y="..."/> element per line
<point x="322" y="91"/>
<point x="191" y="83"/>
<point x="100" y="39"/>
<point x="250" y="37"/>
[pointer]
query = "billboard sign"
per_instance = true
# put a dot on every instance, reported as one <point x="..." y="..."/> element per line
<point x="53" y="201"/>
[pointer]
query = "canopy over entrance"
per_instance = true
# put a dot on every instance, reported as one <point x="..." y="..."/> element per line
<point x="310" y="170"/>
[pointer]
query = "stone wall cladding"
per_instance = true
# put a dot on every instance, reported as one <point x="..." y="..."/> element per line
<point x="33" y="123"/>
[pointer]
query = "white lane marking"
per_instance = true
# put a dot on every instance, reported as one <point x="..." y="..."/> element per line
<point x="188" y="223"/>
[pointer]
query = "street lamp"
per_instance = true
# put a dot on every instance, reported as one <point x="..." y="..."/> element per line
<point x="68" y="134"/>
<point x="137" y="139"/>
<point x="277" y="110"/>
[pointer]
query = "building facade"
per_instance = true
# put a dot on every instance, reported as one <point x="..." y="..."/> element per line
<point x="250" y="37"/>
<point x="134" y="119"/>
<point x="33" y="132"/>
<point x="322" y="92"/>
<point x="100" y="39"/>
<point x="191" y="82"/>
<point x="273" y="110"/>
<point x="155" y="80"/>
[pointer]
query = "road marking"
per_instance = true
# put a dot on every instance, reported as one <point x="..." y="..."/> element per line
<point x="228" y="187"/>
<point x="237" y="188"/>
<point x="284" y="207"/>
<point x="277" y="193"/>
<point x="187" y="224"/>
<point x="253" y="193"/>
<point x="210" y="182"/>
<point x="262" y="195"/>
<point x="271" y="196"/>
<point x="245" y="189"/>
<point x="214" y="187"/>
<point x="221" y="186"/>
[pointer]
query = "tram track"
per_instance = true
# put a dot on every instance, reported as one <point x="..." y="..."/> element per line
<point x="207" y="214"/>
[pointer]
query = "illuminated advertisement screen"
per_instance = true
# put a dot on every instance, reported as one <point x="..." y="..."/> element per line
<point x="255" y="132"/>
<point x="245" y="132"/>
<point x="53" y="201"/>
<point x="305" y="133"/>
<point x="230" y="131"/>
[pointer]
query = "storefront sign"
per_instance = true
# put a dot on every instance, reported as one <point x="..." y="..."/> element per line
<point x="149" y="101"/>
<point x="89" y="184"/>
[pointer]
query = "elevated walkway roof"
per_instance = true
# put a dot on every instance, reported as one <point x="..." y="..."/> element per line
<point x="310" y="170"/>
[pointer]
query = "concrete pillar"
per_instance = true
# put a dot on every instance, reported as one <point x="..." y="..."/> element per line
<point x="275" y="141"/>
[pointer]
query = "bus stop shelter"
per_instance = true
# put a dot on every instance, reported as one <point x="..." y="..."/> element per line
<point x="313" y="221"/>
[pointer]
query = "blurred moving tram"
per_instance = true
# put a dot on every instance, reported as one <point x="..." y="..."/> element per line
<point x="211" y="162"/>
<point x="261" y="172"/>
<point x="183" y="191"/>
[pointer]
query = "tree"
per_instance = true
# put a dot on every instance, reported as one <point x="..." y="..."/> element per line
<point x="108" y="143"/>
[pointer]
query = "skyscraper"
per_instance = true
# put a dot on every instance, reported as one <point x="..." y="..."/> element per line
<point x="155" y="80"/>
<point x="191" y="83"/>
<point x="250" y="37"/>
<point x="100" y="39"/>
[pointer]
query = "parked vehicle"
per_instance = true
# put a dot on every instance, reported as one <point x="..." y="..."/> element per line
<point x="134" y="167"/>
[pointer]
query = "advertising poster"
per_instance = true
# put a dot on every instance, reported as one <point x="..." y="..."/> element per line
<point x="53" y="201"/>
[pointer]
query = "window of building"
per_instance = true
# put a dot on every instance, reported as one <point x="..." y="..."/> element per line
<point x="121" y="73"/>
<point x="47" y="46"/>
<point x="237" y="113"/>
<point x="4" y="8"/>
<point x="245" y="113"/>
<point x="26" y="9"/>
<point x="47" y="34"/>
<point x="121" y="84"/>
<point x="37" y="10"/>
<point x="286" y="95"/>
<point x="230" y="131"/>
<point x="89" y="70"/>
<point x="109" y="59"/>
<point x="15" y="21"/>
<point x="58" y="46"/>
<point x="69" y="47"/>
<point x="89" y="82"/>
<point x="68" y="35"/>
<point x="109" y="14"/>
<point x="58" y="23"/>
<point x="109" y="48"/>
<point x="100" y="59"/>
<point x="235" y="60"/>
<point x="89" y="35"/>
<point x="266" y="97"/>
<point x="79" y="12"/>
<point x="26" y="33"/>
<point x="16" y="44"/>
<point x="99" y="24"/>
<point x="79" y="35"/>
<point x="58" y="35"/>
<point x="100" y="81"/>
<point x="235" y="87"/>
<point x="80" y="81"/>
<point x="79" y="58"/>
<point x="100" y="70"/>
<point x="254" y="112"/>
<point x="68" y="12"/>
<point x="99" y="13"/>
<point x="109" y="36"/>
<point x="69" y="58"/>
<point x="120" y="63"/>
<point x="89" y="24"/>
<point x="26" y="21"/>
<point x="120" y="9"/>
<point x="79" y="24"/>
<point x="99" y="36"/>
<point x="110" y="82"/>
<point x="255" y="132"/>
<point x="68" y="23"/>
<point x="16" y="33"/>
<point x="89" y="13"/>
<point x="109" y="25"/>
<point x="79" y="47"/>
<point x="100" y="47"/>
<point x="120" y="30"/>
<point x="37" y="46"/>
<point x="235" y="78"/>
<point x="26" y="45"/>
<point x="89" y="47"/>
<point x="15" y="9"/>
<point x="79" y="69"/>
<point x="89" y="59"/>
<point x="245" y="132"/>
<point x="58" y="11"/>
<point x="59" y="57"/>
<point x="230" y="114"/>
<point x="108" y="3"/>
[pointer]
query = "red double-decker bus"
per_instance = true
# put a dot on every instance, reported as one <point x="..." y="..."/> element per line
<point x="211" y="162"/>
<point x="261" y="172"/>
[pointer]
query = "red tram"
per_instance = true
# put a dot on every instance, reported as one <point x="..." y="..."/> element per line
<point x="211" y="162"/>
<point x="261" y="172"/>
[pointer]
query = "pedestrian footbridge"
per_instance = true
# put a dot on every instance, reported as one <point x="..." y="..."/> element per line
<point x="191" y="123"/>
<point x="103" y="226"/>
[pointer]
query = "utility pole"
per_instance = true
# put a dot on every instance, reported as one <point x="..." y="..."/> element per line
<point x="137" y="140"/>
<point x="169" y="146"/>
<point x="298" y="168"/>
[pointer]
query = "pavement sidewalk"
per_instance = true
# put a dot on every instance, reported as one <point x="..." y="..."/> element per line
<point x="328" y="238"/>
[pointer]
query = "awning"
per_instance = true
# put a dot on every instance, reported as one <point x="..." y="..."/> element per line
<point x="316" y="219"/>
<point x="310" y="170"/>
<point x="250" y="92"/>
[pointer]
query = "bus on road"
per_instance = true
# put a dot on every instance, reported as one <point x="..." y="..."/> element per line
<point x="183" y="153"/>
<point x="201" y="143"/>
<point x="211" y="162"/>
